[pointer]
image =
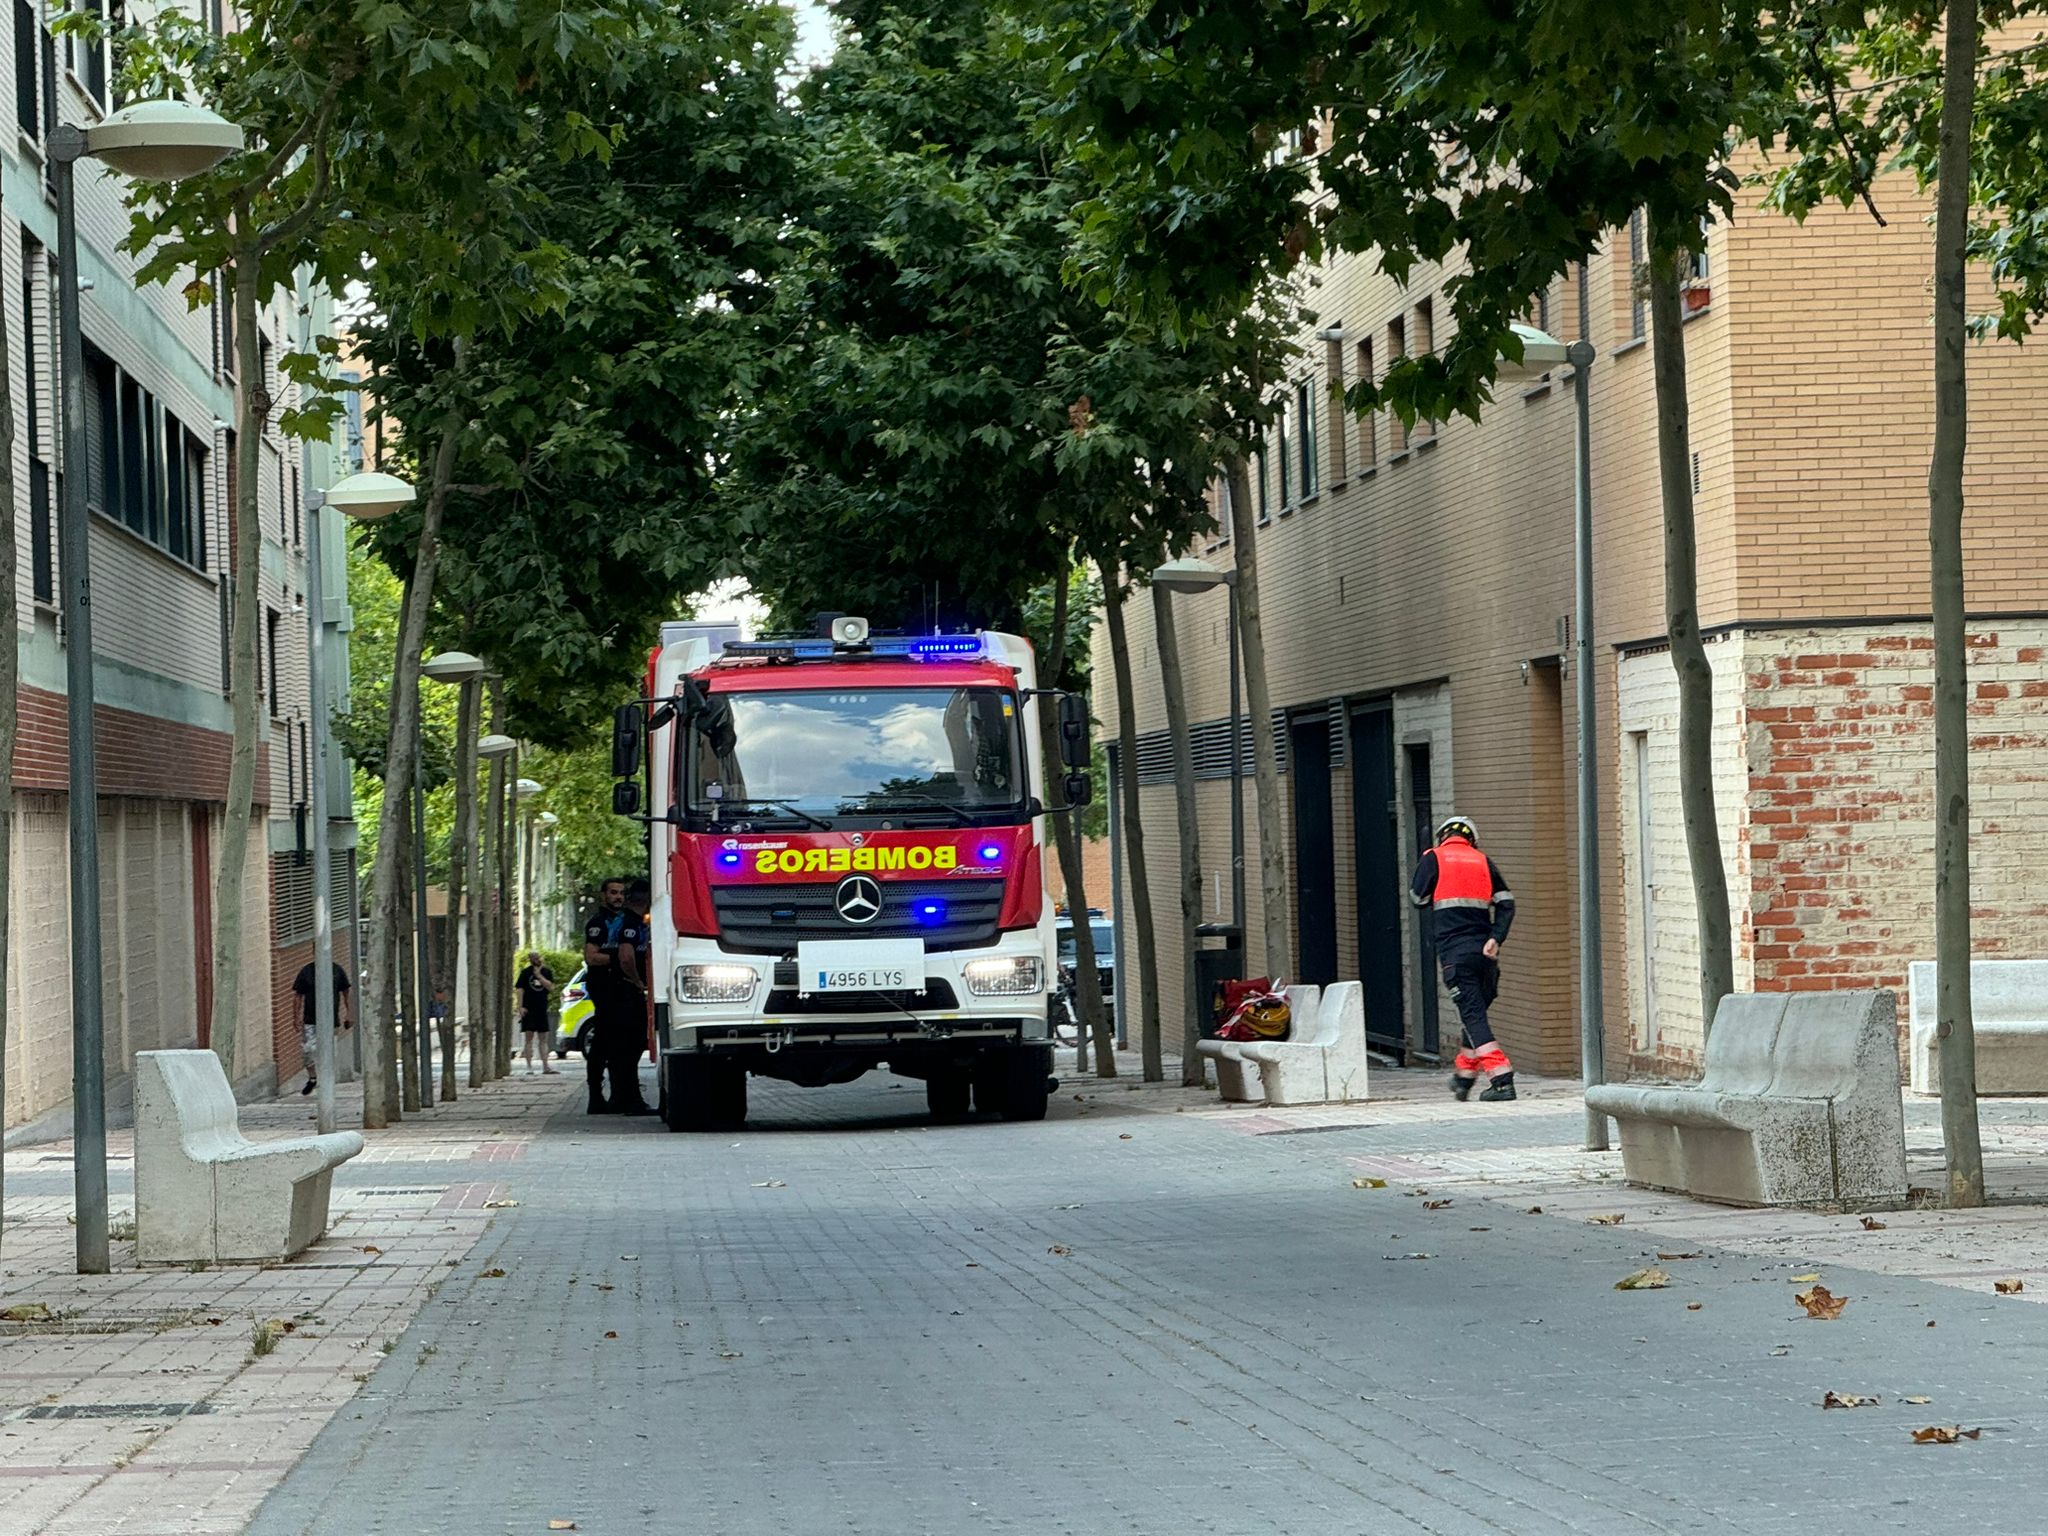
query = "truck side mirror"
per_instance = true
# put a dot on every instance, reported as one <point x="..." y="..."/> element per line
<point x="625" y="798"/>
<point x="1080" y="789"/>
<point x="628" y="731"/>
<point x="1074" y="732"/>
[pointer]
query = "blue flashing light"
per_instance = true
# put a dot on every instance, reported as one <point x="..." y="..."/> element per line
<point x="946" y="645"/>
<point x="930" y="913"/>
<point x="990" y="853"/>
<point x="730" y="860"/>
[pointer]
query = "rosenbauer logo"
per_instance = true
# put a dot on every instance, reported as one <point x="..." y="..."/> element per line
<point x="839" y="861"/>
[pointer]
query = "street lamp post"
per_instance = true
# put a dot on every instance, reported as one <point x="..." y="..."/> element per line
<point x="158" y="141"/>
<point x="1540" y="352"/>
<point x="502" y="753"/>
<point x="367" y="497"/>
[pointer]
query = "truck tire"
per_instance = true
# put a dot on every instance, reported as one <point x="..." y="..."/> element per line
<point x="705" y="1096"/>
<point x="946" y="1092"/>
<point x="1026" y="1083"/>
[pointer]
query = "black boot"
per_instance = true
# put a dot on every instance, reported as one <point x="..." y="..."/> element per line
<point x="598" y="1105"/>
<point x="1461" y="1087"/>
<point x="1500" y="1090"/>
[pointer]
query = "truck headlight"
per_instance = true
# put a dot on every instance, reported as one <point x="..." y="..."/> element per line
<point x="716" y="983"/>
<point x="1007" y="976"/>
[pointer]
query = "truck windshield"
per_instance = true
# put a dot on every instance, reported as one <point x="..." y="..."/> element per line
<point x="897" y="752"/>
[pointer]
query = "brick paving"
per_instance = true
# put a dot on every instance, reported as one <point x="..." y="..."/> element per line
<point x="1154" y="1314"/>
<point x="1151" y="1313"/>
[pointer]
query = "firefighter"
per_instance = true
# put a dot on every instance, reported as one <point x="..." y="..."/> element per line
<point x="614" y="942"/>
<point x="1474" y="909"/>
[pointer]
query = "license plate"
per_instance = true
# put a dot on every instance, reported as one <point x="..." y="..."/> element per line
<point x="853" y="965"/>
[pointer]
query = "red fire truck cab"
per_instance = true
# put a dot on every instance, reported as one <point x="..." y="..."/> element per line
<point x="847" y="846"/>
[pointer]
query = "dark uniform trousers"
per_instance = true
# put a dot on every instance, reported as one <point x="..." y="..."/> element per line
<point x="619" y="1036"/>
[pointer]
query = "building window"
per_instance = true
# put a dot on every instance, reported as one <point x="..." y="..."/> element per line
<point x="89" y="54"/>
<point x="1369" y="419"/>
<point x="1397" y="349"/>
<point x="1305" y="414"/>
<point x="1637" y="254"/>
<point x="1333" y="363"/>
<point x="28" y="109"/>
<point x="352" y="414"/>
<point x="273" y="620"/>
<point x="1280" y="456"/>
<point x="142" y="467"/>
<point x="42" y="563"/>
<point x="1265" y="489"/>
<point x="1425" y="346"/>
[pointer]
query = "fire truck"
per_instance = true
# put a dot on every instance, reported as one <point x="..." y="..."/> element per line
<point x="847" y="849"/>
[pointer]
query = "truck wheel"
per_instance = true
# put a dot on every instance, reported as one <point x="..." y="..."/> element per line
<point x="728" y="1097"/>
<point x="988" y="1087"/>
<point x="1026" y="1083"/>
<point x="946" y="1092"/>
<point x="705" y="1096"/>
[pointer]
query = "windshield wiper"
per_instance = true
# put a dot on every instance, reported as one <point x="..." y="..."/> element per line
<point x="798" y="812"/>
<point x="917" y="798"/>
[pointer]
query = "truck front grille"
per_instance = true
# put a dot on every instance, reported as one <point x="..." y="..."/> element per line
<point x="772" y="919"/>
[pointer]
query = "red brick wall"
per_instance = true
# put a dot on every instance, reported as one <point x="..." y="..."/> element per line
<point x="136" y="755"/>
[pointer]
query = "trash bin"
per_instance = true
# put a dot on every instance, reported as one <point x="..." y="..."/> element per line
<point x="1216" y="963"/>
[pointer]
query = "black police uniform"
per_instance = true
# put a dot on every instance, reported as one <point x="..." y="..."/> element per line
<point x="619" y="1018"/>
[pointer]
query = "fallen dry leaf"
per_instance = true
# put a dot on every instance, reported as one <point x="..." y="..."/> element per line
<point x="972" y="1265"/>
<point x="1672" y="1258"/>
<point x="771" y="1184"/>
<point x="1404" y="1255"/>
<point x="1805" y="1279"/>
<point x="1822" y="1304"/>
<point x="1434" y="1205"/>
<point x="372" y="1249"/>
<point x="561" y="1525"/>
<point x="1368" y="1183"/>
<point x="1479" y="1229"/>
<point x="730" y="1354"/>
<point x="1930" y="1322"/>
<point x="1614" y="1220"/>
<point x="506" y="1205"/>
<point x="1694" y="1306"/>
<point x="611" y="1333"/>
<point x="1643" y="1280"/>
<point x="2008" y="1287"/>
<point x="607" y="1287"/>
<point x="27" y="1312"/>
<point x="1126" y="1136"/>
<point x="1059" y="1250"/>
<point x="494" y="1274"/>
<point x="1535" y="1210"/>
<point x="1848" y="1400"/>
<point x="1872" y="1224"/>
<point x="1944" y="1434"/>
<point x="1916" y="1400"/>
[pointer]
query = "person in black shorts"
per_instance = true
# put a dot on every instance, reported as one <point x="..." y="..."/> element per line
<point x="536" y="981"/>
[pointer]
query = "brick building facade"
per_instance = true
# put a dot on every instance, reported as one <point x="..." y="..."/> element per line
<point x="1417" y="588"/>
<point x="159" y="412"/>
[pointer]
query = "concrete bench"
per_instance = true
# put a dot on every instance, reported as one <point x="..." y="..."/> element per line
<point x="2009" y="1015"/>
<point x="1322" y="1061"/>
<point x="1800" y="1105"/>
<point x="202" y="1189"/>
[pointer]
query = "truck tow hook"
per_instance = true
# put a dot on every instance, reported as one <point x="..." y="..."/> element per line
<point x="776" y="1042"/>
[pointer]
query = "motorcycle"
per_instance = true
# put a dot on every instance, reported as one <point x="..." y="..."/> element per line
<point x="1066" y="1010"/>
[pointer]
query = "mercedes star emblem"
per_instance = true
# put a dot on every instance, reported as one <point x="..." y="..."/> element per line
<point x="858" y="899"/>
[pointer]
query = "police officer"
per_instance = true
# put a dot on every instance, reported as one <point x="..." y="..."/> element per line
<point x="614" y="939"/>
<point x="1474" y="910"/>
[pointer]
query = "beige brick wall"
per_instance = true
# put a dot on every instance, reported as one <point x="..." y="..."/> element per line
<point x="1661" y="933"/>
<point x="1449" y="567"/>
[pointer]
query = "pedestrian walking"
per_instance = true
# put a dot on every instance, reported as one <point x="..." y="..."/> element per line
<point x="303" y="987"/>
<point x="1474" y="910"/>
<point x="614" y="940"/>
<point x="536" y="981"/>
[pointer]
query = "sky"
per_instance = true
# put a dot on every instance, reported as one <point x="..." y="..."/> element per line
<point x="813" y="31"/>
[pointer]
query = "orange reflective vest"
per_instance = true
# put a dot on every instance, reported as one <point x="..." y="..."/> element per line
<point x="1463" y="877"/>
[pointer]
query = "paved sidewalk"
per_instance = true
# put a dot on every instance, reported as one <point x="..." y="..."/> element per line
<point x="141" y="1406"/>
